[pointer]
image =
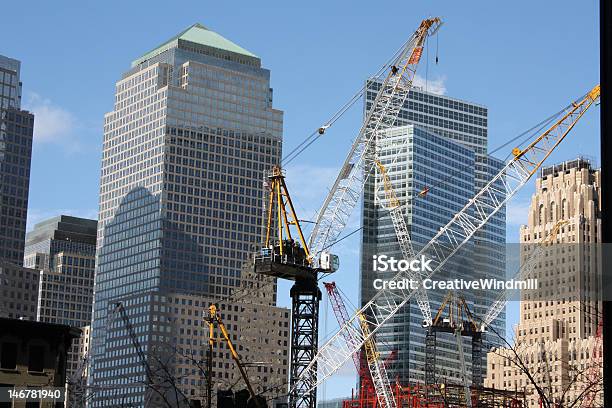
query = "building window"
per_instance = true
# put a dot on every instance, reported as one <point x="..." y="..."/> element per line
<point x="552" y="211"/>
<point x="8" y="360"/>
<point x="36" y="357"/>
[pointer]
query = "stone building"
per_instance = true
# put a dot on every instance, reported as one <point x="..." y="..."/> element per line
<point x="556" y="334"/>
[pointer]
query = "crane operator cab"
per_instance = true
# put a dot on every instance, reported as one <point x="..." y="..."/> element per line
<point x="281" y="255"/>
<point x="289" y="260"/>
<point x="329" y="262"/>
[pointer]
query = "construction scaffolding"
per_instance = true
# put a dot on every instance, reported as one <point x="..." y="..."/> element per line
<point x="439" y="396"/>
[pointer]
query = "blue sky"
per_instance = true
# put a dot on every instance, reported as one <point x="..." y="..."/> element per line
<point x="522" y="59"/>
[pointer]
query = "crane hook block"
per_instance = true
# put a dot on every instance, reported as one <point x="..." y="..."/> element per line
<point x="423" y="192"/>
<point x="394" y="70"/>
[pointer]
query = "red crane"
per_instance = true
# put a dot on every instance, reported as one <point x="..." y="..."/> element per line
<point x="366" y="385"/>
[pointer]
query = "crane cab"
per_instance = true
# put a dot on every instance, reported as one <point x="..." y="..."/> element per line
<point x="329" y="262"/>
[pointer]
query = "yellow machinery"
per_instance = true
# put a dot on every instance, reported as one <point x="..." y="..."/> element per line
<point x="215" y="319"/>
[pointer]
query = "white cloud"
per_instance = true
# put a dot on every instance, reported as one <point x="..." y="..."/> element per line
<point x="52" y="123"/>
<point x="436" y="86"/>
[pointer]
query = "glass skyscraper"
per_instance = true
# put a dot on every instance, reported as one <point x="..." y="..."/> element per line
<point x="16" y="132"/>
<point x="447" y="153"/>
<point x="18" y="285"/>
<point x="185" y="152"/>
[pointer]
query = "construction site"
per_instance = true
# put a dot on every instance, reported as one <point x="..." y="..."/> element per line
<point x="287" y="253"/>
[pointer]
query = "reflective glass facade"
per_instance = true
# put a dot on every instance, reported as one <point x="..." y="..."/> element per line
<point x="457" y="132"/>
<point x="16" y="132"/>
<point x="185" y="152"/>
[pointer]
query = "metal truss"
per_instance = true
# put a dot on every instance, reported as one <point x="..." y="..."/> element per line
<point x="376" y="367"/>
<point x="474" y="215"/>
<point x="305" y="296"/>
<point x="358" y="165"/>
<point x="378" y="371"/>
<point x="339" y="308"/>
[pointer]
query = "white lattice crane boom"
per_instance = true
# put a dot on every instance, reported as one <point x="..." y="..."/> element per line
<point x="474" y="215"/>
<point x="359" y="163"/>
<point x="377" y="370"/>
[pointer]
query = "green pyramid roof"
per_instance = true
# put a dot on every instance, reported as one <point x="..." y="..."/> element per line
<point x="198" y="34"/>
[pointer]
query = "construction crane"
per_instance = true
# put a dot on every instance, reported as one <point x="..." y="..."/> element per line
<point x="459" y="322"/>
<point x="523" y="164"/>
<point x="283" y="257"/>
<point x="376" y="372"/>
<point x="213" y="319"/>
<point x="359" y="163"/>
<point x="403" y="238"/>
<point x="380" y="380"/>
<point x="312" y="258"/>
<point x="130" y="329"/>
<point x="470" y="328"/>
<point x="77" y="383"/>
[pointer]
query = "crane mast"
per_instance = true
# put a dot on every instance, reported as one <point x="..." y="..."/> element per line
<point x="358" y="165"/>
<point x="474" y="215"/>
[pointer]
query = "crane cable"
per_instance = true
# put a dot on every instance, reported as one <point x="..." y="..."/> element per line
<point x="523" y="137"/>
<point x="315" y="135"/>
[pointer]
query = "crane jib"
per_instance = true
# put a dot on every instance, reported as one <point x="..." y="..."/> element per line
<point x="474" y="215"/>
<point x="343" y="196"/>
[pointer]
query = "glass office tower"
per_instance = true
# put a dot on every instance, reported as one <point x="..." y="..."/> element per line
<point x="18" y="285"/>
<point x="16" y="132"/>
<point x="464" y="124"/>
<point x="185" y="152"/>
